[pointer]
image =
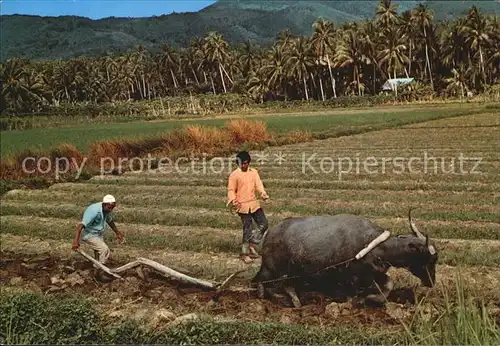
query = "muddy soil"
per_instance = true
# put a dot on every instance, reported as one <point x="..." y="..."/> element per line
<point x="149" y="296"/>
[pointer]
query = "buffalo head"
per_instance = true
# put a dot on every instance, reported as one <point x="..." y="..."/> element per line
<point x="422" y="262"/>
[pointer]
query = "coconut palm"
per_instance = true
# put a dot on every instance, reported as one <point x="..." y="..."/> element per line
<point x="386" y="14"/>
<point x="423" y="16"/>
<point x="285" y="39"/>
<point x="407" y="26"/>
<point x="247" y="59"/>
<point x="257" y="85"/>
<point x="23" y="89"/>
<point x="393" y="55"/>
<point x="370" y="43"/>
<point x="323" y="43"/>
<point x="349" y="54"/>
<point x="275" y="70"/>
<point x="457" y="83"/>
<point x="169" y="62"/>
<point x="217" y="53"/>
<point x="299" y="60"/>
<point x="476" y="35"/>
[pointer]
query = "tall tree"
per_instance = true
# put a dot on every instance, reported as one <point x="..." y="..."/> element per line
<point x="323" y="42"/>
<point x="386" y="14"/>
<point x="217" y="50"/>
<point x="349" y="54"/>
<point x="299" y="60"/>
<point x="476" y="36"/>
<point x="423" y="17"/>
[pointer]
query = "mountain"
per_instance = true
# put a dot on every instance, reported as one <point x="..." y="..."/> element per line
<point x="257" y="21"/>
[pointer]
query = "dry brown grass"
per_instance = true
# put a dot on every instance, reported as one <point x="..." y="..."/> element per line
<point x="192" y="140"/>
<point x="124" y="148"/>
<point x="195" y="139"/>
<point x="297" y="136"/>
<point x="29" y="163"/>
<point x="9" y="169"/>
<point x="242" y="131"/>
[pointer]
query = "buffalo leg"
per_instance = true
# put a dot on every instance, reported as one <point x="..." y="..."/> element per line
<point x="385" y="286"/>
<point x="260" y="279"/>
<point x="290" y="290"/>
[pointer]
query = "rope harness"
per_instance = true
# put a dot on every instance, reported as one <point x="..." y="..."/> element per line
<point x="314" y="273"/>
<point x="374" y="243"/>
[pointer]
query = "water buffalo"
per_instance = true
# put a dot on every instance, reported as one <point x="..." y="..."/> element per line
<point x="305" y="250"/>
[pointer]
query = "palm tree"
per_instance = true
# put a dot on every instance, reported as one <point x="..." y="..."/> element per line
<point x="247" y="59"/>
<point x="408" y="28"/>
<point x="370" y="48"/>
<point x="217" y="50"/>
<point x="257" y="85"/>
<point x="476" y="35"/>
<point x="285" y="39"/>
<point x="423" y="17"/>
<point x="169" y="60"/>
<point x="349" y="54"/>
<point x="386" y="14"/>
<point x="394" y="53"/>
<point x="197" y="46"/>
<point x="275" y="70"/>
<point x="493" y="62"/>
<point x="323" y="44"/>
<point x="458" y="82"/>
<point x="69" y="80"/>
<point x="127" y="74"/>
<point x="24" y="88"/>
<point x="453" y="47"/>
<point x="139" y="57"/>
<point x="299" y="60"/>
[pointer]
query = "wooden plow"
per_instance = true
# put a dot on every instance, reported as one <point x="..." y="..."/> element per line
<point x="166" y="271"/>
<point x="218" y="287"/>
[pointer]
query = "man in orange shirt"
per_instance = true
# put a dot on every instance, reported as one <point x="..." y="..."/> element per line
<point x="241" y="187"/>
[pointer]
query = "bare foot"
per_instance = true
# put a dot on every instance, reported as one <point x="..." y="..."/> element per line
<point x="253" y="252"/>
<point x="246" y="259"/>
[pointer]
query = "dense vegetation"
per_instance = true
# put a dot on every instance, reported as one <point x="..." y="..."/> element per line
<point x="447" y="58"/>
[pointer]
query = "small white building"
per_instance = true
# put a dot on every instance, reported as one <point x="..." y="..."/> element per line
<point x="393" y="84"/>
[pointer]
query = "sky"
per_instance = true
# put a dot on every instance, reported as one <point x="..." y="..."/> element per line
<point x="97" y="9"/>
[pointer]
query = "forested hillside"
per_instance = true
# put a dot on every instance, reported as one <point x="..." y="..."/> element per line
<point x="450" y="58"/>
<point x="255" y="21"/>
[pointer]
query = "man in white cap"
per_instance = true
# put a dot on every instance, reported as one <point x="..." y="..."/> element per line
<point x="93" y="225"/>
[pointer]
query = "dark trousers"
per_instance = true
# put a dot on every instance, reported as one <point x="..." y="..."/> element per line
<point x="250" y="237"/>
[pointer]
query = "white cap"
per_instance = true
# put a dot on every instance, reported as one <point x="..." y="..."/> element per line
<point x="108" y="199"/>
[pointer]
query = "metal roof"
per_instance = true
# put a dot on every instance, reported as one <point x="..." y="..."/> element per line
<point x="391" y="83"/>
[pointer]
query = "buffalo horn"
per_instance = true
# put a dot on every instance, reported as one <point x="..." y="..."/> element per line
<point x="414" y="227"/>
<point x="381" y="238"/>
<point x="431" y="248"/>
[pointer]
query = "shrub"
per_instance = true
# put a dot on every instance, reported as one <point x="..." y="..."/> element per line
<point x="32" y="318"/>
<point x="460" y="320"/>
<point x="242" y="131"/>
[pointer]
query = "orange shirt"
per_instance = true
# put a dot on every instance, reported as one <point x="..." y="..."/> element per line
<point x="241" y="187"/>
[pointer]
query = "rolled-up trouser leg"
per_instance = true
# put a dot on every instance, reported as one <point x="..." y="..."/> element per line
<point x="262" y="225"/>
<point x="246" y="220"/>
<point x="99" y="246"/>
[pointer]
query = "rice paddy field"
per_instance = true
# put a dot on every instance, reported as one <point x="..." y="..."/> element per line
<point x="446" y="170"/>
